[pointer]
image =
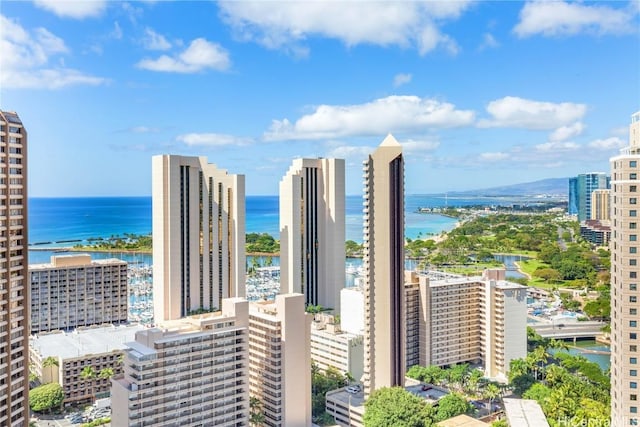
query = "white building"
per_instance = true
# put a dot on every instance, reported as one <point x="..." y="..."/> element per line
<point x="625" y="273"/>
<point x="312" y="231"/>
<point x="193" y="372"/>
<point x="280" y="360"/>
<point x="73" y="291"/>
<point x="383" y="262"/>
<point x="198" y="236"/>
<point x="352" y="310"/>
<point x="99" y="348"/>
<point x="332" y="347"/>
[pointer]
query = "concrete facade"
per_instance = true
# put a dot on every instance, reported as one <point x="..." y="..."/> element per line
<point x="73" y="291"/>
<point x="97" y="347"/>
<point x="312" y="231"/>
<point x="383" y="263"/>
<point x="280" y="360"/>
<point x="14" y="297"/>
<point x="333" y="348"/>
<point x="473" y="319"/>
<point x="625" y="269"/>
<point x="600" y="205"/>
<point x="198" y="236"/>
<point x="193" y="372"/>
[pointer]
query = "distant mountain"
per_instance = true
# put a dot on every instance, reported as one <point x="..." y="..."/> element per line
<point x="558" y="187"/>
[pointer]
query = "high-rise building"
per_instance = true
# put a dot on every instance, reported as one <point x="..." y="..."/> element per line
<point x="73" y="291"/>
<point x="383" y="263"/>
<point x="192" y="372"/>
<point x="581" y="189"/>
<point x="625" y="272"/>
<point x="280" y="360"/>
<point x="312" y="231"/>
<point x="198" y="236"/>
<point x="600" y="205"/>
<point x="331" y="347"/>
<point x="14" y="297"/>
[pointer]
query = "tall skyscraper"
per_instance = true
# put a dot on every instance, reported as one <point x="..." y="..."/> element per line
<point x="625" y="270"/>
<point x="198" y="236"/>
<point x="383" y="262"/>
<point x="312" y="231"/>
<point x="581" y="189"/>
<point x="14" y="309"/>
<point x="600" y="205"/>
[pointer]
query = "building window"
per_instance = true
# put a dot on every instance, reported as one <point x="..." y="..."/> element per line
<point x="633" y="225"/>
<point x="633" y="201"/>
<point x="633" y="336"/>
<point x="633" y="188"/>
<point x="633" y="250"/>
<point x="633" y="275"/>
<point x="633" y="372"/>
<point x="633" y="409"/>
<point x="633" y="262"/>
<point x="633" y="384"/>
<point x="632" y="298"/>
<point x="633" y="163"/>
<point x="633" y="212"/>
<point x="633" y="397"/>
<point x="633" y="237"/>
<point x="633" y="176"/>
<point x="633" y="311"/>
<point x="633" y="323"/>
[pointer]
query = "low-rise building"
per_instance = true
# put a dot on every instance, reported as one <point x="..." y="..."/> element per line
<point x="74" y="290"/>
<point x="332" y="347"/>
<point x="191" y="372"/>
<point x="94" y="350"/>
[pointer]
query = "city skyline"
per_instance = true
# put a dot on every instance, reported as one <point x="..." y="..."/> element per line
<point x="476" y="92"/>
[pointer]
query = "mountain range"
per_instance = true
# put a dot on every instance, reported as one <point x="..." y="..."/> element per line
<point x="556" y="187"/>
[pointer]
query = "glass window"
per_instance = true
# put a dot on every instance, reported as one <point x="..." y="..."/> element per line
<point x="633" y="237"/>
<point x="633" y="372"/>
<point x="633" y="275"/>
<point x="633" y="176"/>
<point x="633" y="212"/>
<point x="633" y="188"/>
<point x="633" y="323"/>
<point x="632" y="298"/>
<point x="633" y="163"/>
<point x="633" y="200"/>
<point x="633" y="250"/>
<point x="633" y="384"/>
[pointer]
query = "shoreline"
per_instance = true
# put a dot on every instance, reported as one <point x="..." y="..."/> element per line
<point x="122" y="251"/>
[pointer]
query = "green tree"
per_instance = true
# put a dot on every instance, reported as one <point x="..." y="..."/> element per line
<point x="549" y="275"/>
<point x="491" y="392"/>
<point x="451" y="405"/>
<point x="88" y="374"/>
<point x="396" y="407"/>
<point x="46" y="397"/>
<point x="256" y="417"/>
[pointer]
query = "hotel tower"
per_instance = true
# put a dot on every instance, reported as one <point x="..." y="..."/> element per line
<point x="312" y="231"/>
<point x="383" y="262"/>
<point x="198" y="236"/>
<point x="625" y="272"/>
<point x="14" y="308"/>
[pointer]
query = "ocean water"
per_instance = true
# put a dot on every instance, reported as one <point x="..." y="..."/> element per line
<point x="55" y="222"/>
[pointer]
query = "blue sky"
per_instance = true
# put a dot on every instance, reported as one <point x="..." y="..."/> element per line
<point x="479" y="94"/>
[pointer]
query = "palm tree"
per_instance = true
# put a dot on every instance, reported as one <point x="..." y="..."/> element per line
<point x="49" y="363"/>
<point x="106" y="374"/>
<point x="491" y="392"/>
<point x="256" y="417"/>
<point x="88" y="373"/>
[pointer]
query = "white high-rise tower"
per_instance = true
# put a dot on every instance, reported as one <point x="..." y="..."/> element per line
<point x="198" y="236"/>
<point x="312" y="231"/>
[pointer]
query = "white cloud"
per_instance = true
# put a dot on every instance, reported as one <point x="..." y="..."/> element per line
<point x="391" y="114"/>
<point x="155" y="41"/>
<point x="350" y="152"/>
<point x="76" y="9"/>
<point x="493" y="157"/>
<point x="559" y="18"/>
<point x="413" y="146"/>
<point x="199" y="56"/>
<point x="116" y="33"/>
<point x="557" y="147"/>
<point x="402" y="79"/>
<point x="25" y="57"/>
<point x="488" y="42"/>
<point x="212" y="139"/>
<point x="517" y="112"/>
<point x="611" y="143"/>
<point x="288" y="24"/>
<point x="567" y="132"/>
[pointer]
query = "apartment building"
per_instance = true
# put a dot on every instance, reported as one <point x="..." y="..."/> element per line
<point x="383" y="243"/>
<point x="312" y="231"/>
<point x="280" y="360"/>
<point x="198" y="236"/>
<point x="600" y="205"/>
<point x="580" y="190"/>
<point x="14" y="297"/>
<point x="472" y="319"/>
<point x="332" y="347"/>
<point x="73" y="291"/>
<point x="97" y="351"/>
<point x="192" y="372"/>
<point x="625" y="270"/>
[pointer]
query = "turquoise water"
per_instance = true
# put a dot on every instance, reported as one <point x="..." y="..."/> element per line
<point x="603" y="360"/>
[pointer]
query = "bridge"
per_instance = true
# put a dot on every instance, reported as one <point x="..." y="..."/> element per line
<point x="569" y="330"/>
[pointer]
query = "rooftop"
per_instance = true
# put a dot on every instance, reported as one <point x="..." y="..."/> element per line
<point x="82" y="342"/>
<point x="462" y="421"/>
<point x="524" y="412"/>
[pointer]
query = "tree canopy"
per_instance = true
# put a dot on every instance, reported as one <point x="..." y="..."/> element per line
<point x="396" y="407"/>
<point x="46" y="397"/>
